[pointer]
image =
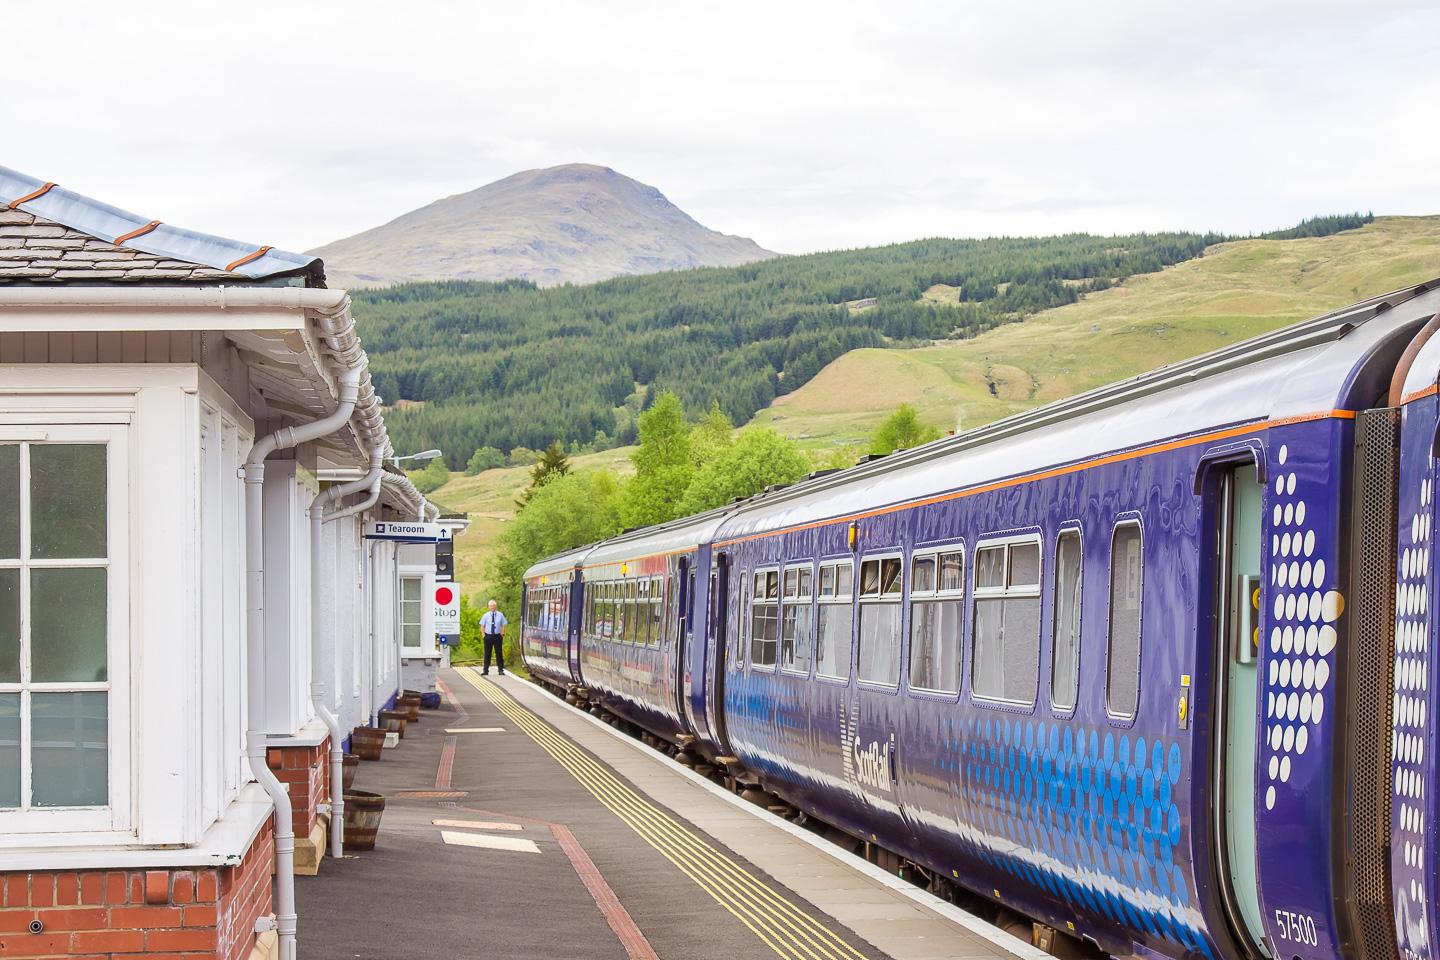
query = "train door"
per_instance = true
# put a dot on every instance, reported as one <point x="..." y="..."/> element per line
<point x="719" y="637"/>
<point x="577" y="623"/>
<point x="1240" y="512"/>
<point x="686" y="580"/>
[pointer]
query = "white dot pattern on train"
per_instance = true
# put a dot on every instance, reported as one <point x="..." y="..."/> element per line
<point x="1408" y="729"/>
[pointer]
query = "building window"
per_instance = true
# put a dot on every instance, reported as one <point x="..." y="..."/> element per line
<point x="937" y="592"/>
<point x="798" y="610"/>
<point x="1122" y="668"/>
<point x="1065" y="652"/>
<point x="764" y="617"/>
<point x="411" y="612"/>
<point x="1007" y="621"/>
<point x="63" y="593"/>
<point x="880" y="620"/>
<point x="833" y="647"/>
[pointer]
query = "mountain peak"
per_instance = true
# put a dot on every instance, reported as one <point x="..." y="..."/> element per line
<point x="573" y="223"/>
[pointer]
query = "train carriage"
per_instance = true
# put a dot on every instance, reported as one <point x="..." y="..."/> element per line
<point x="550" y="618"/>
<point x="1123" y="663"/>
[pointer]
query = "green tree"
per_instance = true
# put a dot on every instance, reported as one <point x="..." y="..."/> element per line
<point x="901" y="431"/>
<point x="568" y="511"/>
<point x="471" y="646"/>
<point x="523" y="457"/>
<point x="713" y="435"/>
<point x="758" y="458"/>
<point x="484" y="458"/>
<point x="553" y="463"/>
<point x="434" y="476"/>
<point x="663" y="465"/>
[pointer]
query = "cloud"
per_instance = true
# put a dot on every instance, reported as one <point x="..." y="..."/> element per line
<point x="804" y="125"/>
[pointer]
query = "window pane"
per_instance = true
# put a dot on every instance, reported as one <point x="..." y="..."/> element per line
<point x="410" y="589"/>
<point x="1122" y="679"/>
<point x="1021" y="635"/>
<point x="763" y="639"/>
<point x="990" y="567"/>
<point x="1064" y="668"/>
<point x="869" y="578"/>
<point x="67" y="630"/>
<point x="988" y="660"/>
<point x="922" y="575"/>
<point x="807" y="582"/>
<point x="69" y="749"/>
<point x="844" y="580"/>
<point x="657" y="621"/>
<point x="880" y="643"/>
<point x="827" y="581"/>
<point x="792" y="582"/>
<point x="9" y="749"/>
<point x="10" y="501"/>
<point x="772" y="585"/>
<point x="1024" y="564"/>
<point x="67" y="500"/>
<point x="890" y="575"/>
<point x="952" y="571"/>
<point x="935" y="645"/>
<point x="833" y="645"/>
<point x="410" y="635"/>
<point x="9" y="626"/>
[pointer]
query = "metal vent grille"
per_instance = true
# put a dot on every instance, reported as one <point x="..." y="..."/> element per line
<point x="1365" y="664"/>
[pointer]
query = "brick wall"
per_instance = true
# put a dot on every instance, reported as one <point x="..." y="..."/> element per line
<point x="306" y="771"/>
<point x="200" y="914"/>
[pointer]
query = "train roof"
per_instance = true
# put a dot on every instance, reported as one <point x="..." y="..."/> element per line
<point x="1302" y="370"/>
<point x="559" y="563"/>
<point x="676" y="536"/>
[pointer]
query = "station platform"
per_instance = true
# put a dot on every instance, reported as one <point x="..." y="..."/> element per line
<point x="517" y="826"/>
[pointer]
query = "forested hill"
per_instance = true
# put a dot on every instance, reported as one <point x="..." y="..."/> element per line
<point x="509" y="364"/>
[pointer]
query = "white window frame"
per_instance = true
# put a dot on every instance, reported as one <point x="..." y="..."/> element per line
<point x="764" y="571"/>
<point x="426" y="576"/>
<point x="1133" y="522"/>
<point x="26" y="826"/>
<point x="897" y="598"/>
<point x="1075" y="530"/>
<point x="1003" y="592"/>
<point x="937" y="594"/>
<point x="837" y="599"/>
<point x="800" y="599"/>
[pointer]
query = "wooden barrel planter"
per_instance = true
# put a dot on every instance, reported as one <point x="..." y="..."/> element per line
<point x="410" y="703"/>
<point x="368" y="742"/>
<point x="394" y="721"/>
<point x="363" y="810"/>
<point x="347" y="773"/>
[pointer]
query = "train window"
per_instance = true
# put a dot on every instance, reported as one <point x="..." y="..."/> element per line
<point x="764" y="618"/>
<point x="937" y="608"/>
<point x="634" y="622"/>
<point x="880" y="620"/>
<point x="742" y="621"/>
<point x="797" y="613"/>
<point x="833" y="640"/>
<point x="1122" y="667"/>
<point x="1006" y="651"/>
<point x="657" y="611"/>
<point x="1065" y="651"/>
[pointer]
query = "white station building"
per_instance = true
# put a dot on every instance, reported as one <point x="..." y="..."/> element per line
<point x="191" y="619"/>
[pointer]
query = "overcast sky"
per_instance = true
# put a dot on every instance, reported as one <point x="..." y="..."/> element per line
<point x="803" y="125"/>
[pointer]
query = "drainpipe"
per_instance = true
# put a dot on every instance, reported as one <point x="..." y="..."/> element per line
<point x="282" y="439"/>
<point x="318" y="517"/>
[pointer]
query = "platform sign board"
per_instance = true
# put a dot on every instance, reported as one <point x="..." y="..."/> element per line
<point x="447" y="609"/>
<point x="406" y="531"/>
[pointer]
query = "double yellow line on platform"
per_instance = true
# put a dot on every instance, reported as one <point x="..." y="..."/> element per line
<point x="785" y="928"/>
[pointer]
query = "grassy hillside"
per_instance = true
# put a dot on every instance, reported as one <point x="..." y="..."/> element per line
<point x="1236" y="290"/>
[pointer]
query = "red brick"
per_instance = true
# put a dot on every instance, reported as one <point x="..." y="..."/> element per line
<point x="183" y="890"/>
<point x="115" y="888"/>
<point x="92" y="888"/>
<point x="67" y="890"/>
<point x="200" y="916"/>
<point x="108" y="941"/>
<point x="75" y="918"/>
<point x="207" y="887"/>
<point x="199" y="939"/>
<point x="16" y="921"/>
<point x="42" y="890"/>
<point x="17" y="890"/>
<point x="157" y="886"/>
<point x="137" y="888"/>
<point x="144" y="918"/>
<point x="35" y="945"/>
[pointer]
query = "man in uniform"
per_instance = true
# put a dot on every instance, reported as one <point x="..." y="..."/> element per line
<point x="492" y="625"/>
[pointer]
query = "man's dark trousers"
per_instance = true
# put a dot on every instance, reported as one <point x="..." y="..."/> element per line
<point x="493" y="646"/>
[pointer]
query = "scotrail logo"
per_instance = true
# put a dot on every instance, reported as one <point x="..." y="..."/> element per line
<point x="867" y="766"/>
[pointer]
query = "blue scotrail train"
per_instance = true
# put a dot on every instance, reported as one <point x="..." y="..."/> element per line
<point x="1149" y="666"/>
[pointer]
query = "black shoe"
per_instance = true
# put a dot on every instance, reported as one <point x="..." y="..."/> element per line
<point x="502" y="673"/>
<point x="484" y="673"/>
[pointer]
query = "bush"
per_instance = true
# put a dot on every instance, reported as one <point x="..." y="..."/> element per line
<point x="485" y="458"/>
<point x="432" y="478"/>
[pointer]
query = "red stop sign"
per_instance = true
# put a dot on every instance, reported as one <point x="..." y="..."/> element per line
<point x="444" y="596"/>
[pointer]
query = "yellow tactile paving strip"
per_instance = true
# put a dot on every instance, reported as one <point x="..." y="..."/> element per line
<point x="785" y="928"/>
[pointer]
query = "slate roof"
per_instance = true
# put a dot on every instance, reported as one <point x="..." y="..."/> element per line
<point x="50" y="235"/>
